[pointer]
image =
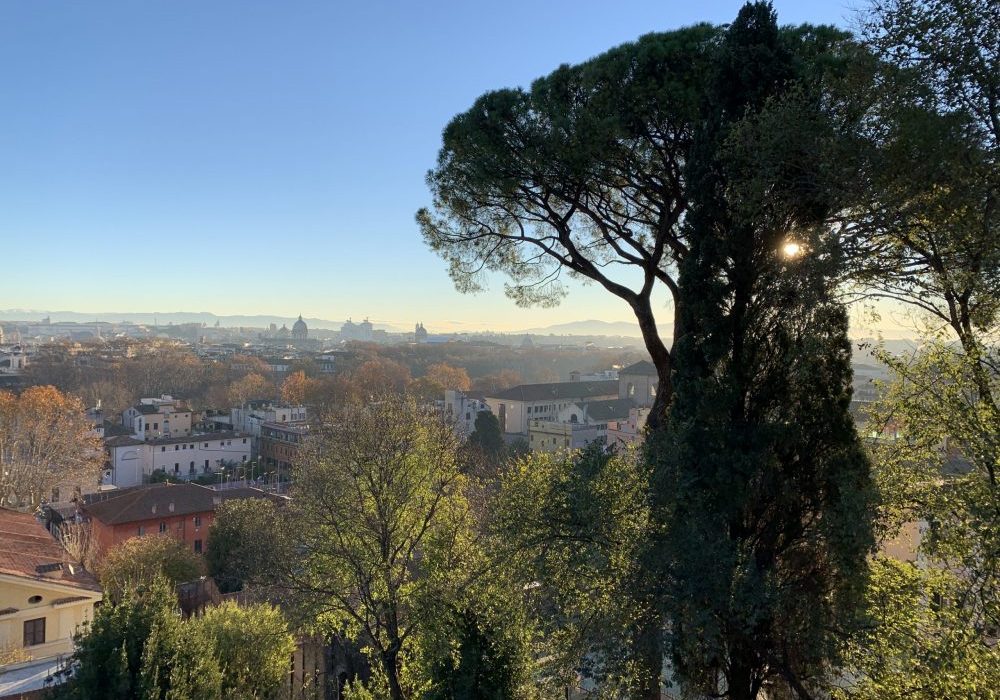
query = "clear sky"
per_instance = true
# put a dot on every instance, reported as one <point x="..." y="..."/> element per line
<point x="241" y="156"/>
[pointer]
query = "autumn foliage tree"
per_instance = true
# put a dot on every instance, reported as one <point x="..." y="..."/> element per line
<point x="46" y="442"/>
<point x="381" y="375"/>
<point x="250" y="386"/>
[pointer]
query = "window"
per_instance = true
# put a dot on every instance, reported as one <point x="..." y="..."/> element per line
<point x="206" y="465"/>
<point x="141" y="531"/>
<point x="34" y="632"/>
<point x="197" y="521"/>
<point x="163" y="449"/>
<point x="197" y="546"/>
<point x="631" y="389"/>
<point x="163" y="526"/>
<point x="35" y="600"/>
<point x="244" y="441"/>
<point x="184" y="447"/>
<point x="156" y="426"/>
<point x="652" y="390"/>
<point x="177" y="447"/>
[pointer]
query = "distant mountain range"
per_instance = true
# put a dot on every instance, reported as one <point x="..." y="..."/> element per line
<point x="611" y="328"/>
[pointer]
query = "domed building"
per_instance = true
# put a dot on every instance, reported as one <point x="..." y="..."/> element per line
<point x="300" y="331"/>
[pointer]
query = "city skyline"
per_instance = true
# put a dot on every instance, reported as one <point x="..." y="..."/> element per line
<point x="246" y="158"/>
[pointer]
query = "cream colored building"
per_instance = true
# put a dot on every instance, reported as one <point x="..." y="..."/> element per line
<point x="158" y="417"/>
<point x="44" y="595"/>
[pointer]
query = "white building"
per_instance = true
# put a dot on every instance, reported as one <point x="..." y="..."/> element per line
<point x="363" y="331"/>
<point x="132" y="461"/>
<point x="516" y="407"/>
<point x="158" y="417"/>
<point x="13" y="360"/>
<point x="461" y="410"/>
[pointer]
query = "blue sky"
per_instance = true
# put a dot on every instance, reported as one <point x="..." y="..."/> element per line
<point x="268" y="157"/>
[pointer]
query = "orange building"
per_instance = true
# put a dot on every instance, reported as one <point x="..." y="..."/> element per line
<point x="184" y="511"/>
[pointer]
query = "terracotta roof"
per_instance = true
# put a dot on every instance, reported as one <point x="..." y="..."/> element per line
<point x="557" y="390"/>
<point x="644" y="368"/>
<point x="27" y="549"/>
<point x="147" y="502"/>
<point x="140" y="503"/>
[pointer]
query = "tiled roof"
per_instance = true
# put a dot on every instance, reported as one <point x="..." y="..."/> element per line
<point x="122" y="441"/>
<point x="644" y="368"/>
<point x="139" y="503"/>
<point x="557" y="390"/>
<point x="112" y="429"/>
<point x="26" y="547"/>
<point x="610" y="409"/>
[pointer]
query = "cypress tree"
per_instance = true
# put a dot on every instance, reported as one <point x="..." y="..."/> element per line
<point x="761" y="484"/>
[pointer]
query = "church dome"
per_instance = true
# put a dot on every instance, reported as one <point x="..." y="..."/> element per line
<point x="300" y="329"/>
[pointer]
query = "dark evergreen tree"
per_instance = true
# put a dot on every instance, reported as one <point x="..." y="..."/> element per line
<point x="761" y="483"/>
<point x="487" y="436"/>
<point x="112" y="658"/>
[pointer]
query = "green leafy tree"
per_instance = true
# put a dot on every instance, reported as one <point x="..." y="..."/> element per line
<point x="928" y="235"/>
<point x="252" y="645"/>
<point x="386" y="529"/>
<point x="761" y="483"/>
<point x="111" y="659"/>
<point x="486" y="657"/>
<point x="195" y="673"/>
<point x="248" y="542"/>
<point x="924" y="641"/>
<point x="570" y="529"/>
<point x="139" y="560"/>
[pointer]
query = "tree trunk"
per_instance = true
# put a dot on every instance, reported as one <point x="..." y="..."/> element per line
<point x="648" y="645"/>
<point x="390" y="664"/>
<point x="742" y="679"/>
<point x="660" y="357"/>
